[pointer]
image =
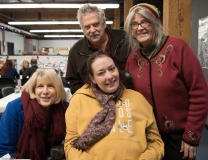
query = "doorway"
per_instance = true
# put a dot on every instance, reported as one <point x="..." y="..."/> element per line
<point x="10" y="48"/>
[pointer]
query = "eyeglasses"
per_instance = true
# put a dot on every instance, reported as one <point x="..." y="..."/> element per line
<point x="143" y="24"/>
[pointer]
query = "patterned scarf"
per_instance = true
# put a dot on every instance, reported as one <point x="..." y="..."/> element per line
<point x="102" y="123"/>
<point x="32" y="140"/>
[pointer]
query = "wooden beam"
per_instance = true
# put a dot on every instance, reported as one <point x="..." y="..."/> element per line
<point x="127" y="5"/>
<point x="3" y="39"/>
<point x="47" y="14"/>
<point x="116" y="23"/>
<point x="25" y="41"/>
<point x="177" y="18"/>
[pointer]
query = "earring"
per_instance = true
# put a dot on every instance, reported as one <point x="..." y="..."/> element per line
<point x="133" y="36"/>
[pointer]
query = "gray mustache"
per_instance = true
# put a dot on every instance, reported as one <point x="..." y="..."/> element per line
<point x="94" y="34"/>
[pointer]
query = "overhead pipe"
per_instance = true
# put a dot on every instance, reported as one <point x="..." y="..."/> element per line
<point x="20" y="31"/>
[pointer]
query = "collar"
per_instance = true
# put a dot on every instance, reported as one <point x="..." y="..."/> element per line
<point x="152" y="50"/>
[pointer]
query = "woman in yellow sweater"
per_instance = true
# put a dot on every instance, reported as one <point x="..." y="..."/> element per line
<point x="107" y="121"/>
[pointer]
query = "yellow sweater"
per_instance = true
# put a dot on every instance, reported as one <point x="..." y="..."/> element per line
<point x="134" y="135"/>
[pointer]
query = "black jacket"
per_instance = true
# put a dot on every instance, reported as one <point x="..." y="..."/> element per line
<point x="29" y="71"/>
<point x="80" y="52"/>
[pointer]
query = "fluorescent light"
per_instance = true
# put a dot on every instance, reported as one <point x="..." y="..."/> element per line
<point x="56" y="30"/>
<point x="58" y="5"/>
<point x="41" y="22"/>
<point x="75" y="36"/>
<point x="47" y="22"/>
<point x="21" y="31"/>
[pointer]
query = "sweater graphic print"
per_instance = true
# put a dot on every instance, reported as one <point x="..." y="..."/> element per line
<point x="123" y="121"/>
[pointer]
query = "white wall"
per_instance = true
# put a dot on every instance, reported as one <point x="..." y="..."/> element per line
<point x="49" y="44"/>
<point x="36" y="43"/>
<point x="56" y="43"/>
<point x="199" y="10"/>
<point x="15" y="38"/>
<point x="18" y="41"/>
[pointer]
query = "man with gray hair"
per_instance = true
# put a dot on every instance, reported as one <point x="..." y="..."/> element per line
<point x="97" y="36"/>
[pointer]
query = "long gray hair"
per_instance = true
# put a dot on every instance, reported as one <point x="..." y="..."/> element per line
<point x="155" y="22"/>
<point x="87" y="8"/>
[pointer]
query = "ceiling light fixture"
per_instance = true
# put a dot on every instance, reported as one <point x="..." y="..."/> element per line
<point x="56" y="30"/>
<point x="73" y="36"/>
<point x="19" y="30"/>
<point x="54" y="5"/>
<point x="47" y="22"/>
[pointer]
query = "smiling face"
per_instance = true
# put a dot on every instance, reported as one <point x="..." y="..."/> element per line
<point x="143" y="34"/>
<point x="93" y="28"/>
<point x="45" y="93"/>
<point x="105" y="74"/>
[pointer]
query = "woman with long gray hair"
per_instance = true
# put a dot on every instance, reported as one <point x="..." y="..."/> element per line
<point x="167" y="72"/>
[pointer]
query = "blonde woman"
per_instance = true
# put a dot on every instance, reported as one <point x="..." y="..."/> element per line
<point x="25" y="65"/>
<point x="34" y="122"/>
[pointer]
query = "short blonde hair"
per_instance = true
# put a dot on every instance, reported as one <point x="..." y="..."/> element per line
<point x="50" y="76"/>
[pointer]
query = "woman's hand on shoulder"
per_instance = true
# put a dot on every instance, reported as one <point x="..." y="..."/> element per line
<point x="189" y="151"/>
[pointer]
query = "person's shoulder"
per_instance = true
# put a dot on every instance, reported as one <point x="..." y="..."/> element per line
<point x="31" y="68"/>
<point x="15" y="104"/>
<point x="84" y="91"/>
<point x="14" y="69"/>
<point x="135" y="97"/>
<point x="176" y="39"/>
<point x="78" y="46"/>
<point x="131" y="92"/>
<point x="16" y="101"/>
<point x="35" y="67"/>
<point x="135" y="51"/>
<point x="177" y="44"/>
<point x="27" y="69"/>
<point x="79" y="42"/>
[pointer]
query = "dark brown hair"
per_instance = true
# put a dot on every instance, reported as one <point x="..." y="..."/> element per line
<point x="6" y="67"/>
<point x="87" y="65"/>
<point x="33" y="61"/>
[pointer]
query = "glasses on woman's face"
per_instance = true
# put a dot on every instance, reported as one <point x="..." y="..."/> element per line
<point x="143" y="24"/>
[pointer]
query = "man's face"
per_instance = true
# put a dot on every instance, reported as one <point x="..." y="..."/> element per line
<point x="93" y="28"/>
